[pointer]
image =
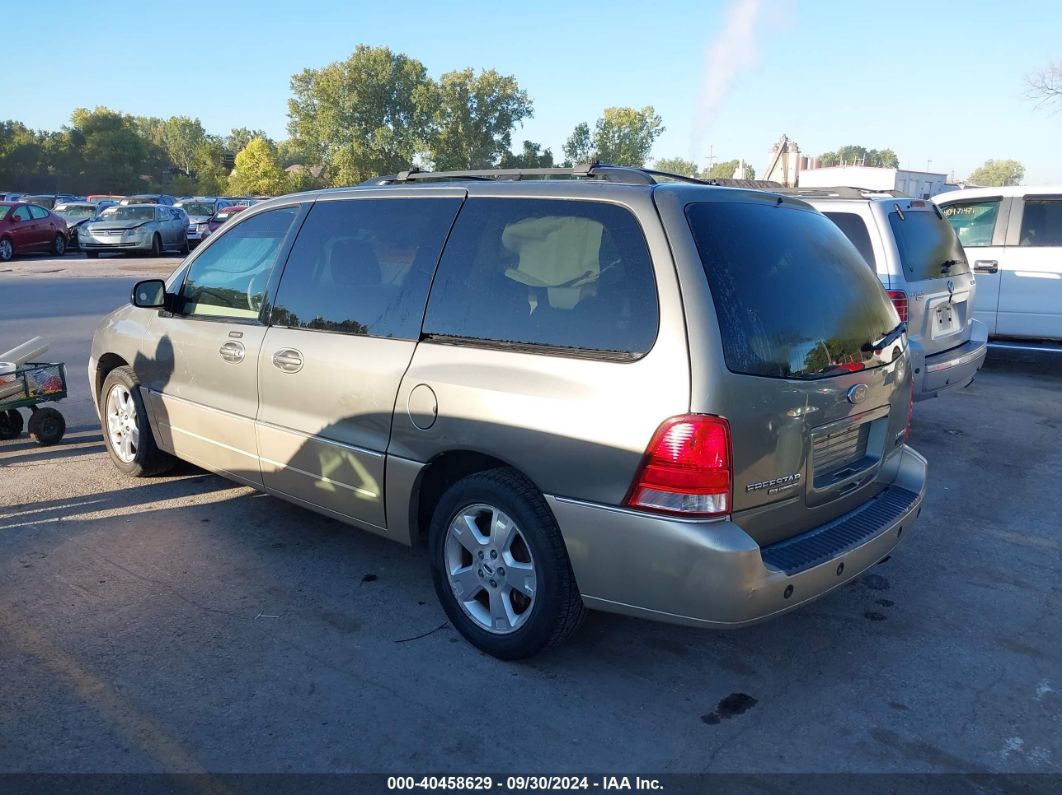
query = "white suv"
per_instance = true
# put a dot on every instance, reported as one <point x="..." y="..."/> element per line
<point x="918" y="259"/>
<point x="1014" y="238"/>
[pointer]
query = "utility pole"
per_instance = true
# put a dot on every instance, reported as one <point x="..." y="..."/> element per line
<point x="710" y="159"/>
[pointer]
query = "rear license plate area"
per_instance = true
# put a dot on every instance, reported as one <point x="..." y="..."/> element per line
<point x="945" y="320"/>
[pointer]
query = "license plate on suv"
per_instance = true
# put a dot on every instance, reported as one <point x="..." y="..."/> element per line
<point x="945" y="320"/>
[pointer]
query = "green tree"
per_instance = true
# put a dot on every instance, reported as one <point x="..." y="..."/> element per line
<point x="624" y="136"/>
<point x="579" y="148"/>
<point x="239" y="137"/>
<point x="474" y="118"/>
<point x="23" y="160"/>
<point x="995" y="173"/>
<point x="370" y="114"/>
<point x="531" y="156"/>
<point x="181" y="138"/>
<point x="258" y="170"/>
<point x="853" y="155"/>
<point x="677" y="165"/>
<point x="113" y="154"/>
<point x="211" y="176"/>
<point x="723" y="170"/>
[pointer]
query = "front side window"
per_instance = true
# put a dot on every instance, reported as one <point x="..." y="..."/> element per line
<point x="228" y="279"/>
<point x="974" y="221"/>
<point x="364" y="266"/>
<point x="1041" y="223"/>
<point x="21" y="213"/>
<point x="567" y="276"/>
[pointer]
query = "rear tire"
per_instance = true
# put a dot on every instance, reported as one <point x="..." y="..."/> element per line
<point x="494" y="541"/>
<point x="126" y="430"/>
<point x="10" y="424"/>
<point x="46" y="426"/>
<point x="59" y="245"/>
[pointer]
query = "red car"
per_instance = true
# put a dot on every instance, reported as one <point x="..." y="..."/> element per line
<point x="28" y="227"/>
<point x="220" y="217"/>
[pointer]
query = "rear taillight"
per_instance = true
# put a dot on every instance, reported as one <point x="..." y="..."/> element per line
<point x="687" y="468"/>
<point x="899" y="300"/>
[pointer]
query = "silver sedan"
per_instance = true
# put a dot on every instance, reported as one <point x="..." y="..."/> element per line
<point x="152" y="228"/>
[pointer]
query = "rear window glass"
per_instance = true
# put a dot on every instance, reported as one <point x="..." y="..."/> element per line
<point x="793" y="297"/>
<point x="571" y="275"/>
<point x="1041" y="223"/>
<point x="855" y="229"/>
<point x="973" y="222"/>
<point x="927" y="244"/>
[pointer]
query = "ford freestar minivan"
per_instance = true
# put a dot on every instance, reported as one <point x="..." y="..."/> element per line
<point x="591" y="389"/>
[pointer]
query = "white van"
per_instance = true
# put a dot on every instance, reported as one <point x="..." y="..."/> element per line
<point x="1013" y="238"/>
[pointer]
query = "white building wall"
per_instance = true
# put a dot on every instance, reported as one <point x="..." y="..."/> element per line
<point x="919" y="184"/>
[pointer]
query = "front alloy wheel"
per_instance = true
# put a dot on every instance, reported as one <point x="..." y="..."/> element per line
<point x="122" y="425"/>
<point x="490" y="568"/>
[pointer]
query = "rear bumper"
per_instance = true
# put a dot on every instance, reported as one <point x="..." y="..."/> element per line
<point x="713" y="574"/>
<point x="954" y="368"/>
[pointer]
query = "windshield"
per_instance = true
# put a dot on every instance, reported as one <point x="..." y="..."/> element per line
<point x="141" y="200"/>
<point x="128" y="213"/>
<point x="197" y="208"/>
<point x="794" y="298"/>
<point x="928" y="246"/>
<point x="75" y="211"/>
<point x="40" y="201"/>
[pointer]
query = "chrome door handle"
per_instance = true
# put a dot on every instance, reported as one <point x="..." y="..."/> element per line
<point x="986" y="266"/>
<point x="232" y="352"/>
<point x="288" y="359"/>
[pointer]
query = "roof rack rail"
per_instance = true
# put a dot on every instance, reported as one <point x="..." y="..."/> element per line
<point x="597" y="171"/>
<point x="842" y="192"/>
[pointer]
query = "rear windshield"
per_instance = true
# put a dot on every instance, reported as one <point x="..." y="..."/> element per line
<point x="793" y="297"/>
<point x="928" y="246"/>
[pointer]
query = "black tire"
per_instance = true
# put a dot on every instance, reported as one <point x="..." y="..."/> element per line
<point x="92" y="254"/>
<point x="186" y="248"/>
<point x="147" y="460"/>
<point x="59" y="245"/>
<point x="46" y="426"/>
<point x="7" y="249"/>
<point x="557" y="609"/>
<point x="10" y="424"/>
<point x="156" y="246"/>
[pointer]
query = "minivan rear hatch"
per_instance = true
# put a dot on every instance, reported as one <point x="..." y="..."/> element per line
<point x="937" y="281"/>
<point x="815" y="383"/>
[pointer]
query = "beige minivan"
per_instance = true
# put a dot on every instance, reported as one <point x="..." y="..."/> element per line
<point x="597" y="388"/>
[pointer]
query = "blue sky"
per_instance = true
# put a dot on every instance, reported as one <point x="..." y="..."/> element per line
<point x="935" y="81"/>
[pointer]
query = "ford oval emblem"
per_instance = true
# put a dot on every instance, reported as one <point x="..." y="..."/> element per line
<point x="858" y="393"/>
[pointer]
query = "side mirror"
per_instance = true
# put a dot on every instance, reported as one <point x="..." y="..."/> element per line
<point x="149" y="294"/>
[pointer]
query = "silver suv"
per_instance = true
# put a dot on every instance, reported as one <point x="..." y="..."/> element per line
<point x="919" y="260"/>
<point x="584" y="390"/>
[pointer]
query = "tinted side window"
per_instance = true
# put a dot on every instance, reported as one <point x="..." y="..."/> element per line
<point x="560" y="274"/>
<point x="1041" y="223"/>
<point x="37" y="213"/>
<point x="974" y="221"/>
<point x="855" y="229"/>
<point x="228" y="279"/>
<point x="21" y="213"/>
<point x="364" y="266"/>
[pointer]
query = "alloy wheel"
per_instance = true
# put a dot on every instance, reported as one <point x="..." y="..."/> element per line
<point x="123" y="430"/>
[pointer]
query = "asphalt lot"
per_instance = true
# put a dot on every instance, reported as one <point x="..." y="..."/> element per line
<point x="187" y="624"/>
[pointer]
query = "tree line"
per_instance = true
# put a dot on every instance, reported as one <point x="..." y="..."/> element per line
<point x="377" y="112"/>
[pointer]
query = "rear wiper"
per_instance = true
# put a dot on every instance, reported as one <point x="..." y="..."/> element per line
<point x="949" y="263"/>
<point x="887" y="340"/>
